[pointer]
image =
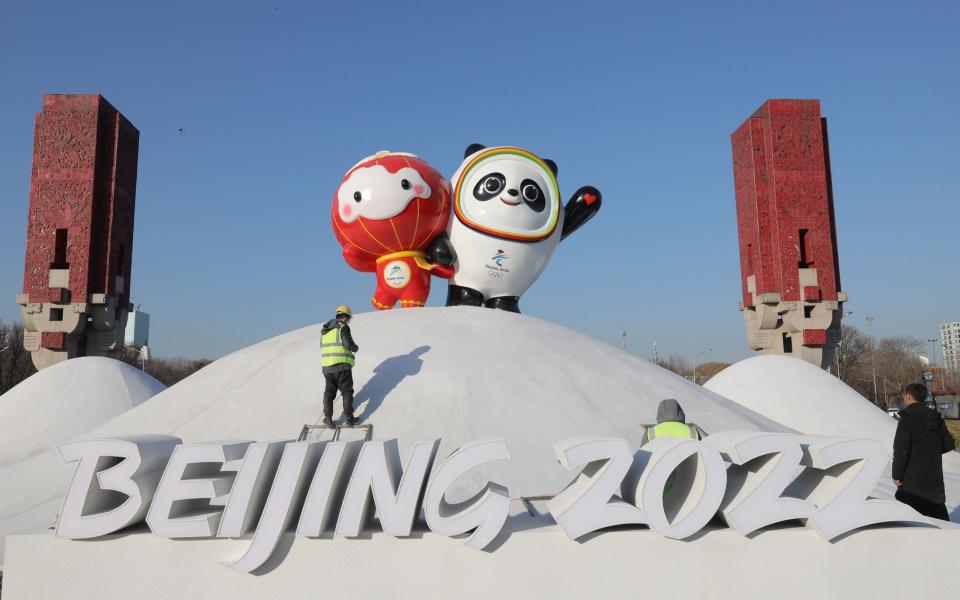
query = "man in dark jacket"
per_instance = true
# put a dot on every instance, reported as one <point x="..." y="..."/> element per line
<point x="921" y="439"/>
<point x="337" y="362"/>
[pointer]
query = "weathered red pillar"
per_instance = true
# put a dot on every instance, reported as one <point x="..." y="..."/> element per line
<point x="76" y="282"/>
<point x="790" y="274"/>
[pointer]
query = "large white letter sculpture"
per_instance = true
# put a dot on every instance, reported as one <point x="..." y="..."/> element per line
<point x="327" y="488"/>
<point x="199" y="494"/>
<point x="675" y="486"/>
<point x="762" y="465"/>
<point x="829" y="493"/>
<point x="697" y="479"/>
<point x="484" y="513"/>
<point x="841" y="474"/>
<point x="284" y="503"/>
<point x="254" y="472"/>
<point x="378" y="479"/>
<point x="130" y="466"/>
<point x="589" y="503"/>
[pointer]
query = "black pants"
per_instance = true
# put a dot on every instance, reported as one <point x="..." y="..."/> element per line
<point x="343" y="381"/>
<point x="923" y="506"/>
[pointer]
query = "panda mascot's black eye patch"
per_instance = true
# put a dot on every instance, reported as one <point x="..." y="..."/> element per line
<point x="533" y="195"/>
<point x="489" y="187"/>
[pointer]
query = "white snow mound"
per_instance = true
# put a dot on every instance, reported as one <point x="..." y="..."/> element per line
<point x="459" y="374"/>
<point x="802" y="396"/>
<point x="67" y="400"/>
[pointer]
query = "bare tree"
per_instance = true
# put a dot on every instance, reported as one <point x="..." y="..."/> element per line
<point x="853" y="363"/>
<point x="898" y="363"/>
<point x="707" y="370"/>
<point x="167" y="371"/>
<point x="678" y="364"/>
<point x="852" y="351"/>
<point x="15" y="362"/>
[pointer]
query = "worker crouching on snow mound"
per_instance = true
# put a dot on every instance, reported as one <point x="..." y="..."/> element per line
<point x="671" y="422"/>
<point x="337" y="361"/>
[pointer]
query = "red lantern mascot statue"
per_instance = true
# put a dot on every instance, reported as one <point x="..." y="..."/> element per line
<point x="387" y="210"/>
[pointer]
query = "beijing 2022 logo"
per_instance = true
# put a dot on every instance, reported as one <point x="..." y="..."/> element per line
<point x="496" y="270"/>
<point x="397" y="274"/>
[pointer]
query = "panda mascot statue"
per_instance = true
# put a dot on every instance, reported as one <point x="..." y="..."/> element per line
<point x="507" y="221"/>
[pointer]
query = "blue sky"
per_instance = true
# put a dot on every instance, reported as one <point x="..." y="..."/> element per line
<point x="278" y="99"/>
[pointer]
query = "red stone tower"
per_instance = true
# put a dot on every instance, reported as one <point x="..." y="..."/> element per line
<point x="792" y="301"/>
<point x="76" y="281"/>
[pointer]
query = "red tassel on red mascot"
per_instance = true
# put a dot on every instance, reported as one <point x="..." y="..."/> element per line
<point x="387" y="210"/>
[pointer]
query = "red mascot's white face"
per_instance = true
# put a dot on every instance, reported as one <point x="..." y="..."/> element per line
<point x="390" y="202"/>
<point x="375" y="193"/>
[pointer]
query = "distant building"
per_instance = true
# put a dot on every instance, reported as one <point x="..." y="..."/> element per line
<point x="137" y="334"/>
<point x="950" y="342"/>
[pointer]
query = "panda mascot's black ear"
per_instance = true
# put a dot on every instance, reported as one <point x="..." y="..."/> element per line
<point x="473" y="148"/>
<point x="553" y="166"/>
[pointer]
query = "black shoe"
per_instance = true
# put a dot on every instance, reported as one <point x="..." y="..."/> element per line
<point x="327" y="422"/>
<point x="463" y="296"/>
<point x="349" y="422"/>
<point x="507" y="303"/>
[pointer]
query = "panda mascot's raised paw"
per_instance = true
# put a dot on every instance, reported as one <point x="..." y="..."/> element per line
<point x="508" y="220"/>
<point x="581" y="207"/>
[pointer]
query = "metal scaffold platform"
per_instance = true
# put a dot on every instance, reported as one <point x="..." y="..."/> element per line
<point x="318" y="431"/>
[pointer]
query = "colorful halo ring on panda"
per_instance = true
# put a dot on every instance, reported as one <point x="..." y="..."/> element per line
<point x="390" y="202"/>
<point x="514" y="162"/>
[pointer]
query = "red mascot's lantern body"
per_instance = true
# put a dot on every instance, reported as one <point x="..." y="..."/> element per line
<point x="387" y="210"/>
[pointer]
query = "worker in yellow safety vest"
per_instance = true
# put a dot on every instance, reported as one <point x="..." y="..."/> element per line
<point x="671" y="422"/>
<point x="337" y="360"/>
